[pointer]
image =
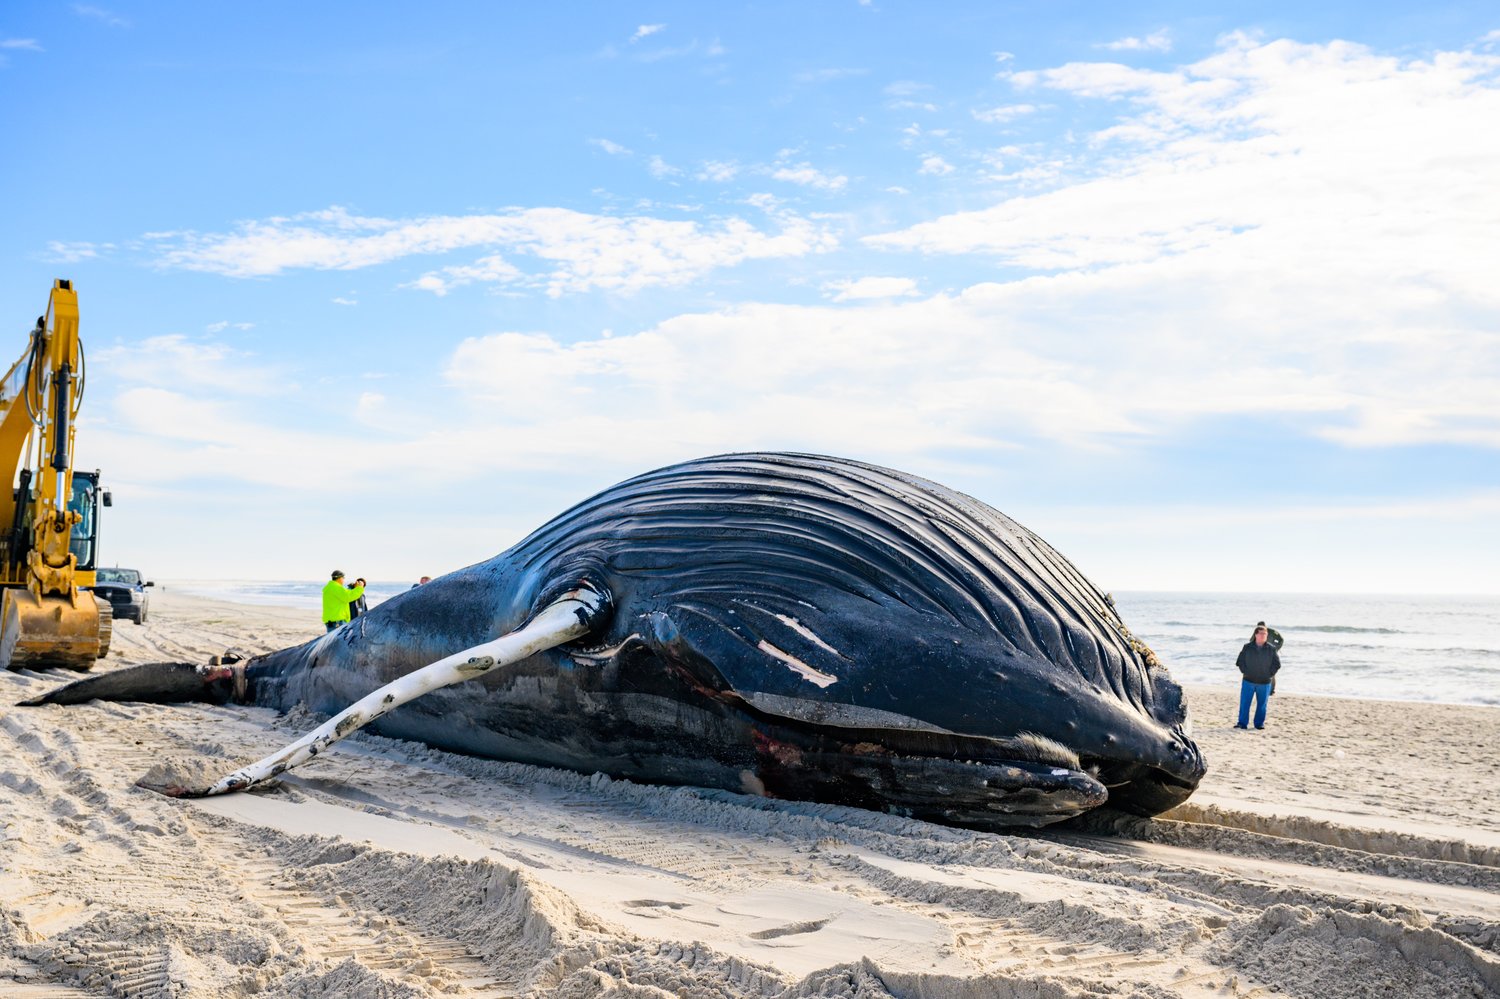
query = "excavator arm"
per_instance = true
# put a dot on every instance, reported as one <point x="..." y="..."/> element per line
<point x="45" y="618"/>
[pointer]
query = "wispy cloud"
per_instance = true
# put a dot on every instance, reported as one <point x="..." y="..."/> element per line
<point x="809" y="176"/>
<point x="871" y="287"/>
<point x="613" y="148"/>
<point x="27" y="44"/>
<point x="718" y="171"/>
<point x="207" y="365"/>
<point x="67" y="253"/>
<point x="108" y="17"/>
<point x="661" y="169"/>
<point x="645" y="31"/>
<point x="579" y="251"/>
<point x="1004" y="113"/>
<point x="1157" y="41"/>
<point x="935" y="166"/>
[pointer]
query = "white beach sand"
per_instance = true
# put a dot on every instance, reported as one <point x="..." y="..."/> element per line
<point x="1351" y="849"/>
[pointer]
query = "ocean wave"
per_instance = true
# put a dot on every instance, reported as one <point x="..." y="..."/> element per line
<point x="1341" y="629"/>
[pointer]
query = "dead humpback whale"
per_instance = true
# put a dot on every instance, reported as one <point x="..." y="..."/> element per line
<point x="790" y="625"/>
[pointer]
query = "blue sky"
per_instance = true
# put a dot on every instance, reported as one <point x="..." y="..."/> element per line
<point x="1208" y="300"/>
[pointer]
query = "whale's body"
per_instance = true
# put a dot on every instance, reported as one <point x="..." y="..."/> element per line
<point x="791" y="625"/>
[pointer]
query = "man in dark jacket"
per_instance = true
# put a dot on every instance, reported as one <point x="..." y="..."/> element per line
<point x="1258" y="663"/>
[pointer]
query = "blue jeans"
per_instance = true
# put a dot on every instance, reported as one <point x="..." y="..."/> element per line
<point x="1259" y="691"/>
<point x="330" y="625"/>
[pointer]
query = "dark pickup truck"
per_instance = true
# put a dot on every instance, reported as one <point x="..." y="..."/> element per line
<point x="125" y="591"/>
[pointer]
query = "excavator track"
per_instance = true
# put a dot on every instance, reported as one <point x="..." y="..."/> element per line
<point x="106" y="626"/>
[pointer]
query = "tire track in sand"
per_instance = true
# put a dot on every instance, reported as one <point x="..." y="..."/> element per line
<point x="218" y="891"/>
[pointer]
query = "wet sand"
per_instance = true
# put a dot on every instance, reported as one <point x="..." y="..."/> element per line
<point x="1350" y="849"/>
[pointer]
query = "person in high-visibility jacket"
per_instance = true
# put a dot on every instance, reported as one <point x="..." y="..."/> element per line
<point x="336" y="600"/>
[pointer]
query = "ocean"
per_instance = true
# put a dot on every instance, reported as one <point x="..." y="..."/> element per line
<point x="1395" y="648"/>
<point x="1399" y="648"/>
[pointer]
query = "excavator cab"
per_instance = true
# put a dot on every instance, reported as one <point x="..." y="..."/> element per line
<point x="86" y="499"/>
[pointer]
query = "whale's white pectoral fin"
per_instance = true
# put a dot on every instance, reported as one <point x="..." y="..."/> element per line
<point x="563" y="620"/>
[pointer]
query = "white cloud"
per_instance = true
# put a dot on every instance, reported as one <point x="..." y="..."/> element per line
<point x="809" y="176"/>
<point x="613" y="148"/>
<point x="340" y="300"/>
<point x="578" y="251"/>
<point x="1004" y="113"/>
<point x="661" y="169"/>
<point x="29" y="44"/>
<point x="645" y="31"/>
<point x="68" y="253"/>
<point x="173" y="360"/>
<point x="872" y="287"/>
<point x="1157" y="41"/>
<point x="1258" y="211"/>
<point x="906" y="88"/>
<point x="935" y="166"/>
<point x="718" y="171"/>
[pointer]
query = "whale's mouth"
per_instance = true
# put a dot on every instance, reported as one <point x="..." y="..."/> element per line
<point x="957" y="789"/>
<point x="903" y="765"/>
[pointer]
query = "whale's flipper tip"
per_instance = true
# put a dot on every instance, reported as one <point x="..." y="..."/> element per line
<point x="181" y="777"/>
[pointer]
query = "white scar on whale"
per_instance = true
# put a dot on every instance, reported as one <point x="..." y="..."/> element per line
<point x="797" y="665"/>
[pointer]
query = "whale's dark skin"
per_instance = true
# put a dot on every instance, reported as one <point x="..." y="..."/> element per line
<point x="792" y="625"/>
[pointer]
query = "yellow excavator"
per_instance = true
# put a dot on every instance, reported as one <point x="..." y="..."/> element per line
<point x="49" y="525"/>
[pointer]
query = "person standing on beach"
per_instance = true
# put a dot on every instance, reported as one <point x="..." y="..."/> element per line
<point x="358" y="607"/>
<point x="1258" y="663"/>
<point x="336" y="600"/>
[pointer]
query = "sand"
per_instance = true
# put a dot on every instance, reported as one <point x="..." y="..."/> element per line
<point x="1351" y="849"/>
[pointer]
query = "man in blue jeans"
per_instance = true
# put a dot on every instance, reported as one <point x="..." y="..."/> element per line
<point x="1258" y="663"/>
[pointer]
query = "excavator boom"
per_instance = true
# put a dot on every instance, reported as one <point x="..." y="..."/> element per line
<point x="46" y="619"/>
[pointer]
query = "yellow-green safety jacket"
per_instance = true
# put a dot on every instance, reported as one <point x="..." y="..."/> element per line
<point x="336" y="600"/>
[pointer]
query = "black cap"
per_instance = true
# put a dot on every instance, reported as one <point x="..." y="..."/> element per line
<point x="337" y="574"/>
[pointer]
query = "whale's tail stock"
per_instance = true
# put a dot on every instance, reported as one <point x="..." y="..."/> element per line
<point x="155" y="683"/>
<point x="569" y="616"/>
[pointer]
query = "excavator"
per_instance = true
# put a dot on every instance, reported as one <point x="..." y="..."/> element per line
<point x="49" y="527"/>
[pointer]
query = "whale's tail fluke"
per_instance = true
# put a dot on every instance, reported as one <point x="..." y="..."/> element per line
<point x="570" y="616"/>
<point x="156" y="683"/>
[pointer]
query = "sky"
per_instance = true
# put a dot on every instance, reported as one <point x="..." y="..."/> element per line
<point x="1205" y="295"/>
